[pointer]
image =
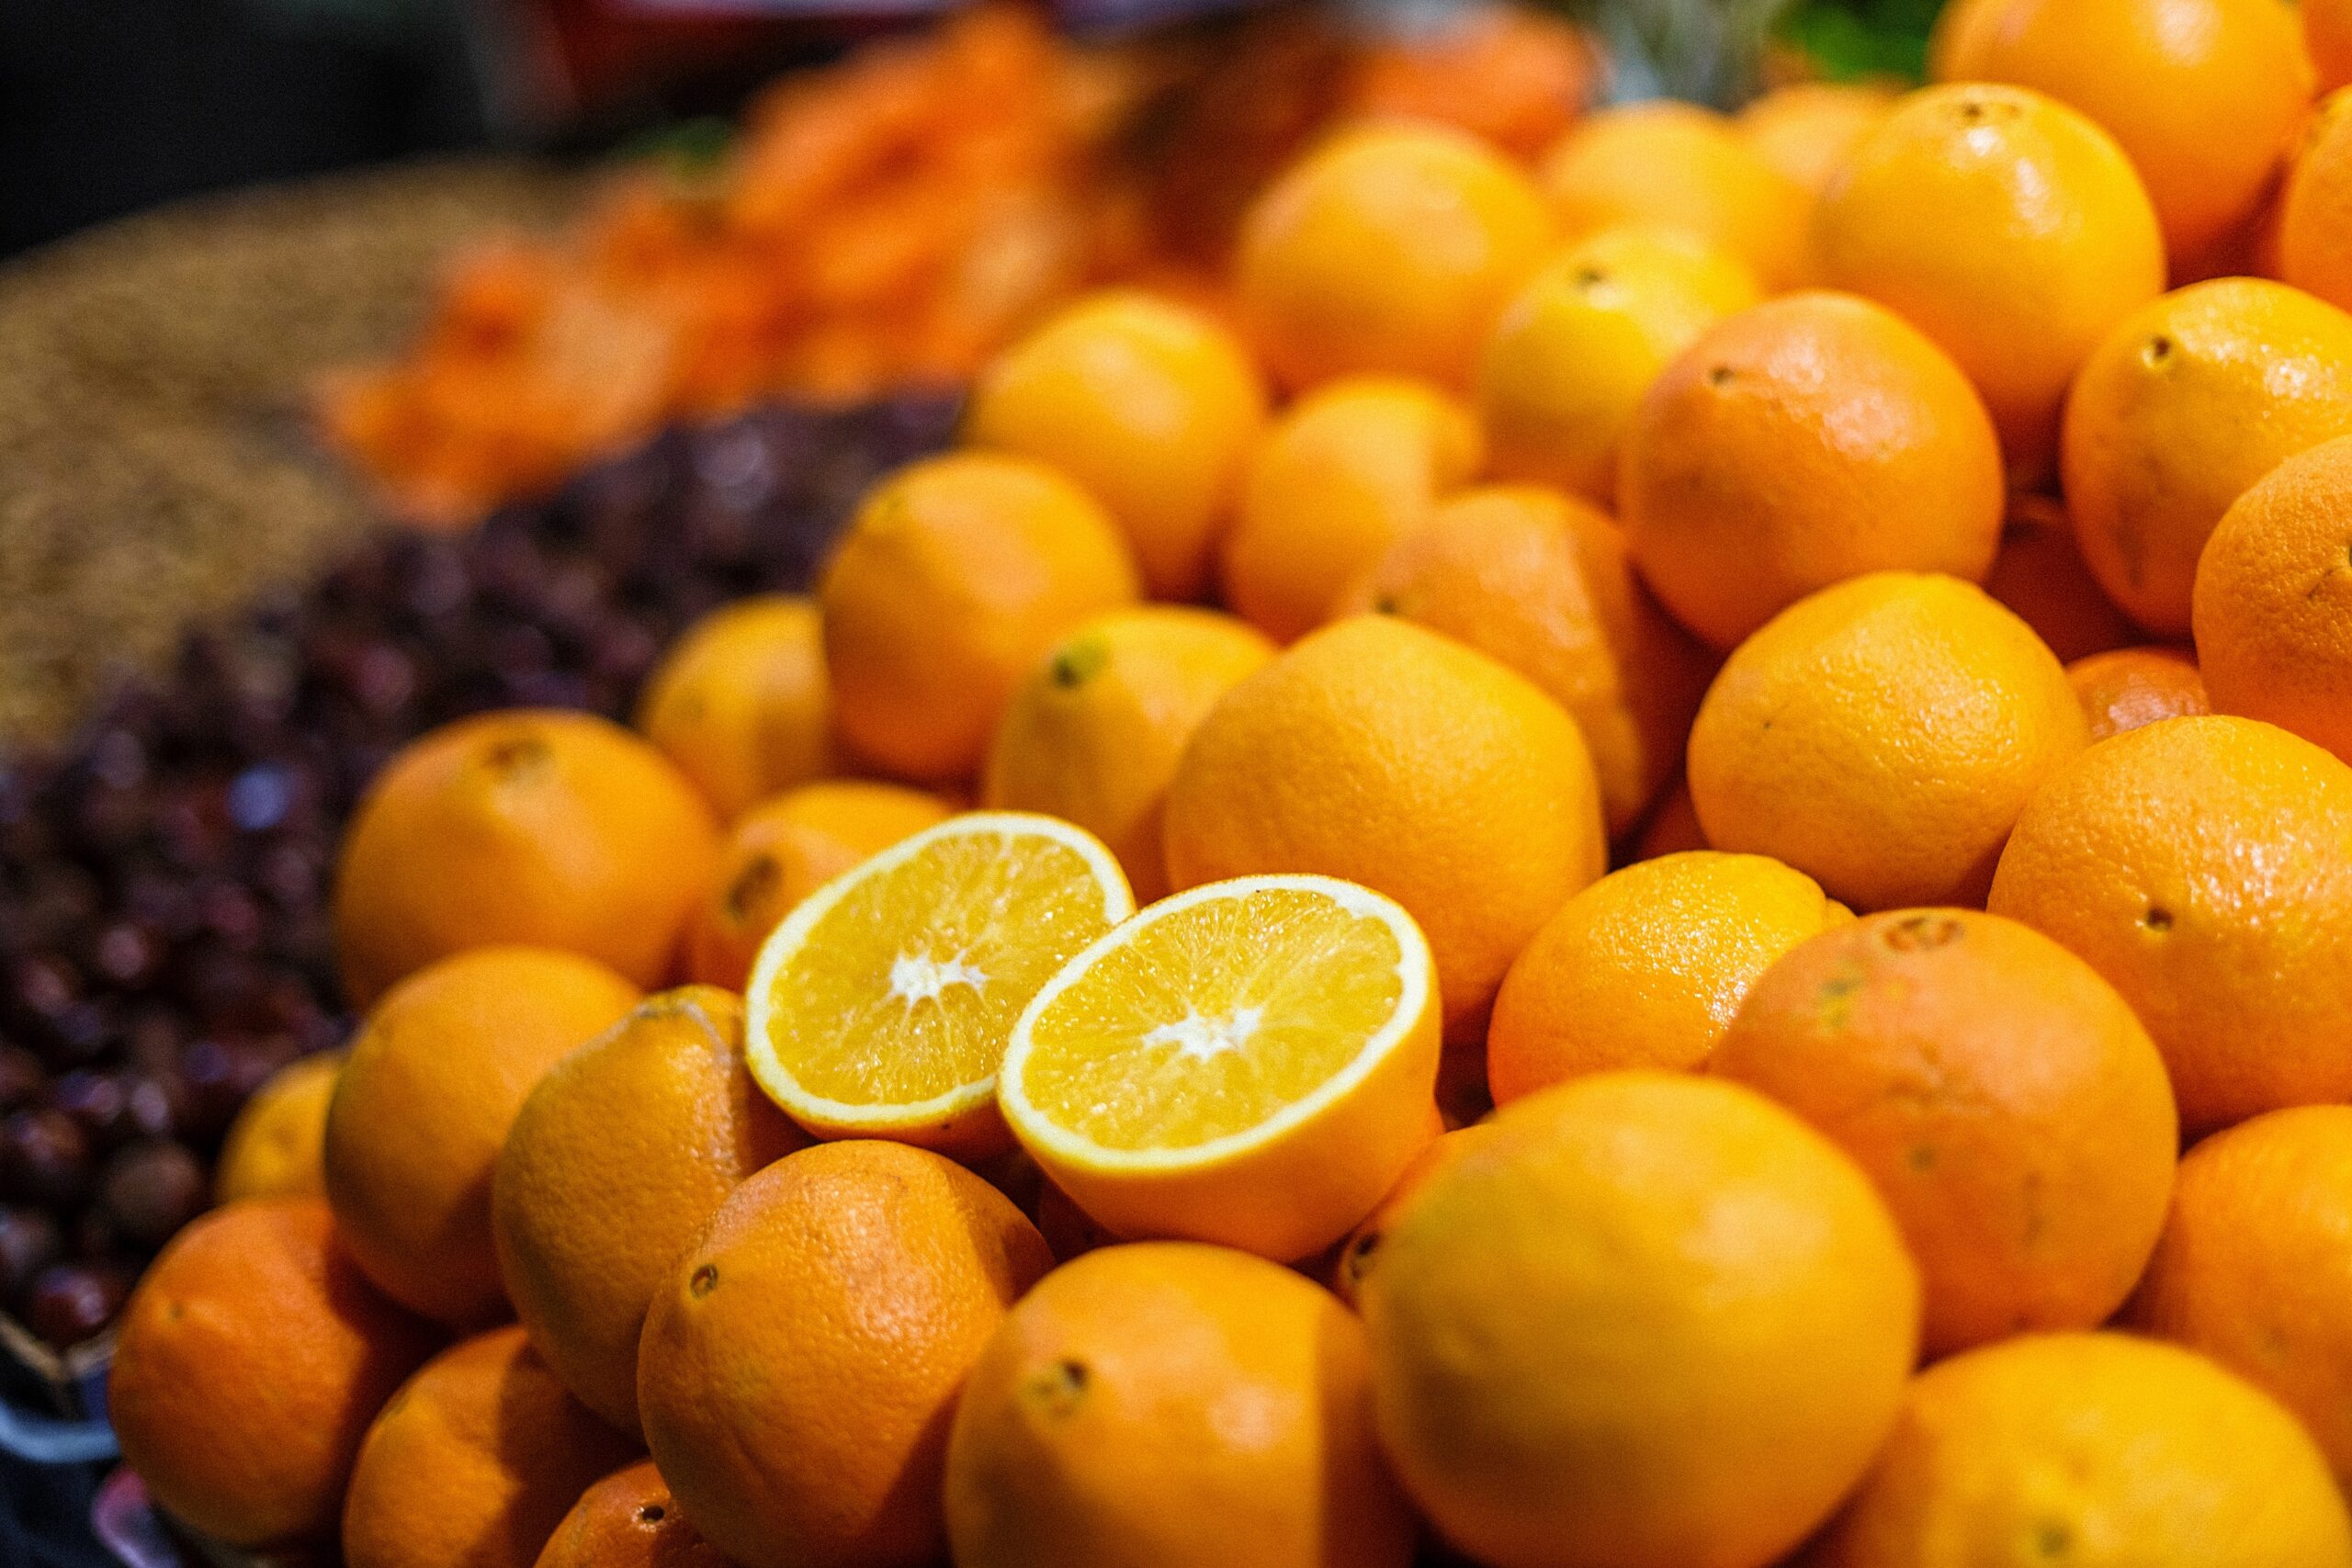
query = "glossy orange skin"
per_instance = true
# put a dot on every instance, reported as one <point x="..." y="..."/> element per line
<point x="1811" y="439"/>
<point x="248" y="1366"/>
<point x="2039" y="573"/>
<point x="2129" y="687"/>
<point x="2200" y="866"/>
<point x="628" y="1520"/>
<point x="2316" y="212"/>
<point x="2011" y="1111"/>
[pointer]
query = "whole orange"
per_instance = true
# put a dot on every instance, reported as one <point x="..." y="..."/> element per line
<point x="248" y="1366"/>
<point x="740" y="703"/>
<point x="1810" y="439"/>
<point x="2011" y="1111"/>
<point x="2010" y="229"/>
<point x="628" y="1520"/>
<point x="2130" y="687"/>
<point x="1097" y="1428"/>
<point x="1147" y="403"/>
<point x="615" y="1163"/>
<point x="1645" y="1319"/>
<point x="785" y="848"/>
<point x="1540" y="584"/>
<point x="1389" y="249"/>
<point x="2273" y="603"/>
<point x="277" y="1147"/>
<point x="1646" y="967"/>
<point x="434" y="1079"/>
<point x="2187" y="403"/>
<point x="1352" y="1262"/>
<point x="955" y="576"/>
<point x="1807" y="130"/>
<point x="2315" y="209"/>
<point x="1391" y="756"/>
<point x="2041" y="574"/>
<point x="800" y="1367"/>
<point x="1346" y="472"/>
<point x="1094" y="736"/>
<point x="474" y="1462"/>
<point x="2200" y="866"/>
<point x="1881" y="736"/>
<point x="532" y="826"/>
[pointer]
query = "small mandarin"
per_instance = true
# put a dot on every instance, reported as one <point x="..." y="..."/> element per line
<point x="741" y="704"/>
<point x="2315" y="209"/>
<point x="277" y="1147"/>
<point x="2039" y="573"/>
<point x="628" y="1520"/>
<point x="2129" y="687"/>
<point x="1807" y="130"/>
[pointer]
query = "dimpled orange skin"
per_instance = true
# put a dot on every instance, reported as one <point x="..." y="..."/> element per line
<point x="1647" y="1321"/>
<point x="2202" y="95"/>
<point x="1806" y="129"/>
<point x="1881" y="736"/>
<point x="1540" y="584"/>
<point x="2040" y="574"/>
<point x="2315" y="211"/>
<point x="2204" y="867"/>
<point x="2327" y="33"/>
<point x="436" y="1077"/>
<point x="2092" y="1449"/>
<point x="741" y="704"/>
<point x="1664" y="164"/>
<point x="1390" y="248"/>
<point x="1391" y="756"/>
<point x="2273" y="608"/>
<point x="474" y="1462"/>
<point x="2010" y="230"/>
<point x="1094" y="736"/>
<point x="1098" y="1428"/>
<point x="616" y="1161"/>
<point x="2255" y="1264"/>
<point x="2131" y="687"/>
<point x="532" y="826"/>
<point x="628" y="1520"/>
<point x="955" y="576"/>
<point x="2187" y="403"/>
<point x="1150" y="405"/>
<point x="2011" y="1111"/>
<point x="247" y="1368"/>
<point x="1646" y="967"/>
<point x="1797" y="444"/>
<point x="785" y="848"/>
<point x="800" y="1367"/>
<point x="1346" y="472"/>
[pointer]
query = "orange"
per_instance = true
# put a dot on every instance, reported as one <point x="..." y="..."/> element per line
<point x="1567" y="363"/>
<point x="277" y="1147"/>
<point x="1646" y="967"/>
<point x="1960" y="30"/>
<point x="1672" y="829"/>
<point x="1540" y="584"/>
<point x="1799" y="444"/>
<point x="1389" y="249"/>
<point x="1348" y="470"/>
<point x="2200" y="866"/>
<point x="1355" y="1257"/>
<point x="2133" y="686"/>
<point x="1672" y="165"/>
<point x="1093" y="735"/>
<point x="628" y="1520"/>
<point x="2202" y="95"/>
<point x="1098" y="1428"/>
<point x="1150" y="405"/>
<point x="2256" y="1263"/>
<point x="2273" y="604"/>
<point x="436" y="1077"/>
<point x="2327" y="32"/>
<point x="2315" y="210"/>
<point x="247" y="1365"/>
<point x="2040" y="574"/>
<point x="1881" y="736"/>
<point x="955" y="576"/>
<point x="531" y="826"/>
<point x="741" y="702"/>
<point x="1806" y="129"/>
<point x="2187" y="403"/>
<point x="614" y="1163"/>
<point x="474" y="1462"/>
<point x="784" y="850"/>
<point x="2091" y="1449"/>
<point x="1646" y="1320"/>
<point x="801" y="1365"/>
<point x="880" y="1008"/>
<point x="2013" y="1112"/>
<point x="1252" y="1062"/>
<point x="1395" y="758"/>
<point x="2010" y="229"/>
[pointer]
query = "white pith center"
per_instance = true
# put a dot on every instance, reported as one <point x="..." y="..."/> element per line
<point x="1199" y="1039"/>
<point x="918" y="978"/>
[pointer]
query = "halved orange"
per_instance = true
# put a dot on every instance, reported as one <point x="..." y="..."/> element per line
<point x="880" y="1008"/>
<point x="1251" y="1063"/>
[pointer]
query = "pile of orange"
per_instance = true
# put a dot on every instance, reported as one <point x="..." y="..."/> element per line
<point x="998" y="1071"/>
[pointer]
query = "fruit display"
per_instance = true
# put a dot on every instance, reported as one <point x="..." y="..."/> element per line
<point x="1528" y="876"/>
